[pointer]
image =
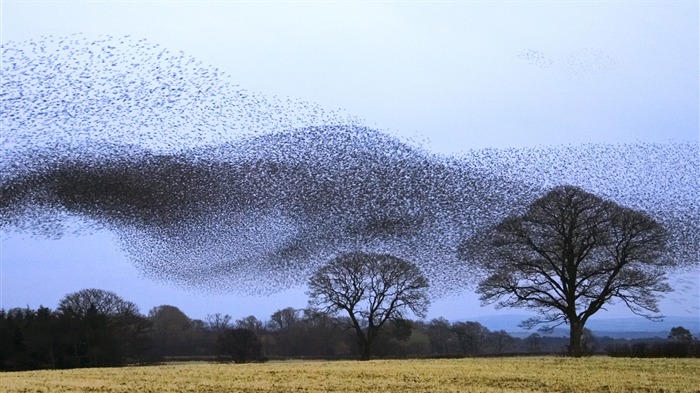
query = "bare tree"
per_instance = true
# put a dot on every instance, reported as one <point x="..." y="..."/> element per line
<point x="250" y="322"/>
<point x="107" y="303"/>
<point x="284" y="319"/>
<point x="372" y="289"/>
<point x="218" y="322"/>
<point x="569" y="255"/>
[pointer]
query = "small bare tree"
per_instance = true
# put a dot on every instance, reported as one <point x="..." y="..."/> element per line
<point x="372" y="289"/>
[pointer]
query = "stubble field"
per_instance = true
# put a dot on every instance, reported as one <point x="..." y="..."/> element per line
<point x="546" y="374"/>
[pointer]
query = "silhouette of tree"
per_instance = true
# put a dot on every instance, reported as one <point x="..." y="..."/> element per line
<point x="589" y="342"/>
<point x="287" y="331"/>
<point x="99" y="328"/>
<point x="471" y="336"/>
<point x="569" y="255"/>
<point x="284" y="319"/>
<point x="107" y="303"/>
<point x="443" y="339"/>
<point x="27" y="339"/>
<point x="501" y="341"/>
<point x="681" y="335"/>
<point x="218" y="322"/>
<point x="250" y="322"/>
<point x="533" y="343"/>
<point x="242" y="344"/>
<point x="173" y="332"/>
<point x="371" y="289"/>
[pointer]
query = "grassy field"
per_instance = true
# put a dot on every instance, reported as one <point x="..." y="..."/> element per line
<point x="549" y="374"/>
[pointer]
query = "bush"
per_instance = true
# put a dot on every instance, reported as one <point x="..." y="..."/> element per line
<point x="666" y="349"/>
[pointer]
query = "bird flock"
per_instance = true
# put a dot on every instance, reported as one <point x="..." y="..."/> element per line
<point x="211" y="187"/>
<point x="584" y="64"/>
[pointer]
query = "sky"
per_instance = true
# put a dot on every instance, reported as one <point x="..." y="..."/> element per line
<point x="451" y="76"/>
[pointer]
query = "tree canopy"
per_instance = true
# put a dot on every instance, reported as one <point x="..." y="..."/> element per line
<point x="103" y="302"/>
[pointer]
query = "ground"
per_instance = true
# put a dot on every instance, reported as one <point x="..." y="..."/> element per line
<point x="523" y="374"/>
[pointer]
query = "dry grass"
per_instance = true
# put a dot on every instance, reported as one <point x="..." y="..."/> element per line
<point x="546" y="374"/>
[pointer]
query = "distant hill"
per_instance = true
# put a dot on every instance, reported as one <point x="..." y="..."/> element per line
<point x="631" y="327"/>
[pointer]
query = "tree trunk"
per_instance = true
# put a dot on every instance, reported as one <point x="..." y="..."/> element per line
<point x="575" y="334"/>
<point x="363" y="342"/>
<point x="365" y="351"/>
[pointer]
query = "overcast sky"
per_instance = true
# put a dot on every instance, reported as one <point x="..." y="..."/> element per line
<point x="455" y="75"/>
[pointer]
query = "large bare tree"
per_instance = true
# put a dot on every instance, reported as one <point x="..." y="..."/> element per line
<point x="569" y="255"/>
<point x="371" y="289"/>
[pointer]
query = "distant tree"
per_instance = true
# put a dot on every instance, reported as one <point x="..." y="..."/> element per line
<point x="218" y="322"/>
<point x="371" y="289"/>
<point x="250" y="322"/>
<point x="394" y="337"/>
<point x="284" y="319"/>
<point x="589" y="342"/>
<point x="98" y="328"/>
<point x="287" y="331"/>
<point x="28" y="339"/>
<point x="501" y="341"/>
<point x="418" y="344"/>
<point x="681" y="335"/>
<point x="569" y="255"/>
<point x="103" y="302"/>
<point x="172" y="331"/>
<point x="401" y="329"/>
<point x="471" y="336"/>
<point x="242" y="344"/>
<point x="443" y="339"/>
<point x="533" y="343"/>
<point x="42" y="339"/>
<point x="324" y="335"/>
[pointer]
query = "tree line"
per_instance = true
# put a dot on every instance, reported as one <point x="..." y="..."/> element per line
<point x="97" y="328"/>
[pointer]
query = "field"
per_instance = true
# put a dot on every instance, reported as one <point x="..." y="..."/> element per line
<point x="547" y="374"/>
